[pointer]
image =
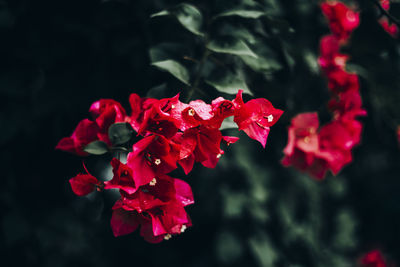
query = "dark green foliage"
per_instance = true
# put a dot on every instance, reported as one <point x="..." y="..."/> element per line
<point x="57" y="57"/>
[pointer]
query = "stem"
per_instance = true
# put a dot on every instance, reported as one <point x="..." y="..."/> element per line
<point x="198" y="77"/>
<point x="386" y="13"/>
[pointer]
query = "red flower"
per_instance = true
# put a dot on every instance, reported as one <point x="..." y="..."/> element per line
<point x="202" y="145"/>
<point x="342" y="81"/>
<point x="385" y="4"/>
<point x="373" y="258"/>
<point x="317" y="152"/>
<point x="153" y="155"/>
<point x="84" y="184"/>
<point x="85" y="133"/>
<point x="158" y="207"/>
<point x="342" y="19"/>
<point x="391" y="29"/>
<point x="330" y="59"/>
<point x="123" y="178"/>
<point x="106" y="112"/>
<point x="255" y="117"/>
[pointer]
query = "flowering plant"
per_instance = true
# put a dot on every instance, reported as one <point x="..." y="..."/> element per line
<point x="159" y="135"/>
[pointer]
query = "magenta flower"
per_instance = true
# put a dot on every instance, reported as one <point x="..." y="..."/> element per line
<point x="255" y="117"/>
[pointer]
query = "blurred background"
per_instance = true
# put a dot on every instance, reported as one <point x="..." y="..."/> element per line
<point x="58" y="57"/>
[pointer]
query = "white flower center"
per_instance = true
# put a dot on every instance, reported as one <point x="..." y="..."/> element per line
<point x="167" y="236"/>
<point x="172" y="106"/>
<point x="157" y="161"/>
<point x="183" y="228"/>
<point x="218" y="156"/>
<point x="153" y="182"/>
<point x="191" y="112"/>
<point x="270" y="118"/>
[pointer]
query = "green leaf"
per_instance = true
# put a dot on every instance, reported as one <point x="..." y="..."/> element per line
<point x="174" y="68"/>
<point x="165" y="51"/>
<point x="228" y="123"/>
<point x="96" y="148"/>
<point x="230" y="45"/>
<point x="267" y="60"/>
<point x="249" y="14"/>
<point x="120" y="133"/>
<point x="187" y="15"/>
<point x="190" y="18"/>
<point x="228" y="82"/>
<point x="160" y="14"/>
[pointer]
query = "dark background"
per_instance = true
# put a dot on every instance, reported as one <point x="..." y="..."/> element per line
<point x="57" y="57"/>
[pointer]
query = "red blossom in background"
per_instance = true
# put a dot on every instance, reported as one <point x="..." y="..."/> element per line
<point x="316" y="149"/>
<point x="170" y="133"/>
<point x="391" y="28"/>
<point x="342" y="19"/>
<point x="373" y="258"/>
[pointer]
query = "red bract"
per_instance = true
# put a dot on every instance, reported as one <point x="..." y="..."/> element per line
<point x="255" y="117"/>
<point x="152" y="156"/>
<point x="158" y="207"/>
<point x="302" y="150"/>
<point x="385" y="4"/>
<point x="83" y="184"/>
<point x="85" y="133"/>
<point x="329" y="148"/>
<point x="342" y="19"/>
<point x="123" y="178"/>
<point x="342" y="81"/>
<point x="391" y="29"/>
<point x="373" y="258"/>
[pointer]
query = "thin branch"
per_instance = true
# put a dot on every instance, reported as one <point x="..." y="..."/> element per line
<point x="198" y="77"/>
<point x="386" y="13"/>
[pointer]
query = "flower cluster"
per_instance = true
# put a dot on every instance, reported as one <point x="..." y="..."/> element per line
<point x="167" y="133"/>
<point x="373" y="258"/>
<point x="316" y="149"/>
<point x="389" y="27"/>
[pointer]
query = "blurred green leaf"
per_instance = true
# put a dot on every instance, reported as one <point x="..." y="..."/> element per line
<point x="250" y="14"/>
<point x="120" y="133"/>
<point x="229" y="248"/>
<point x="166" y="50"/>
<point x="174" y="68"/>
<point x="230" y="45"/>
<point x="228" y="123"/>
<point x="267" y="60"/>
<point x="228" y="82"/>
<point x="188" y="15"/>
<point x="237" y="31"/>
<point x="263" y="250"/>
<point x="96" y="148"/>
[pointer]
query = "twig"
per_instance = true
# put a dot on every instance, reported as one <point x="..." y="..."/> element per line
<point x="198" y="77"/>
<point x="386" y="13"/>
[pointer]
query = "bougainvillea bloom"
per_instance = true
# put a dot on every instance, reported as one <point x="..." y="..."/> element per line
<point x="123" y="178"/>
<point x="385" y="4"/>
<point x="85" y="133"/>
<point x="390" y="28"/>
<point x="151" y="156"/>
<point x="315" y="149"/>
<point x="83" y="184"/>
<point x="158" y="206"/>
<point x="167" y="133"/>
<point x="342" y="19"/>
<point x="373" y="258"/>
<point x="255" y="117"/>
